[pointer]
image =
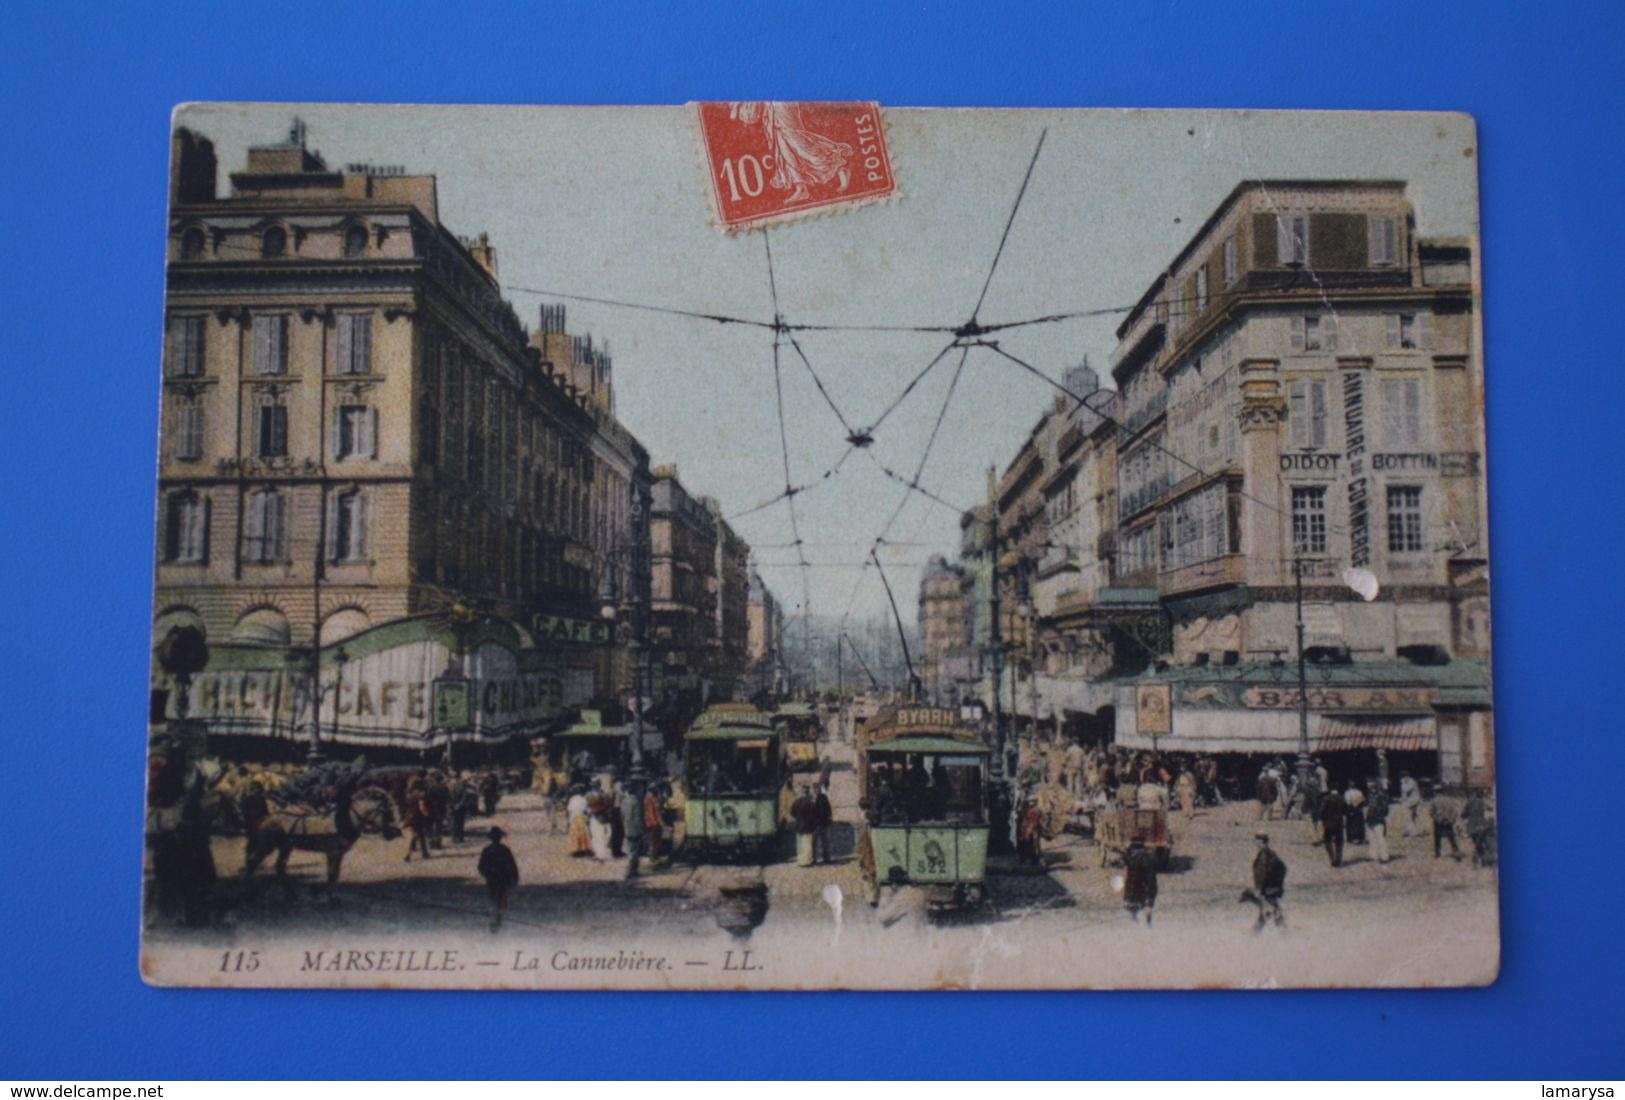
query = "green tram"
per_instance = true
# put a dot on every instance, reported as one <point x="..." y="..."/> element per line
<point x="733" y="772"/>
<point x="923" y="788"/>
<point x="798" y="724"/>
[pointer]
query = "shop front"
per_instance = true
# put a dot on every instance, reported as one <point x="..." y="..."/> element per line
<point x="401" y="690"/>
<point x="1365" y="720"/>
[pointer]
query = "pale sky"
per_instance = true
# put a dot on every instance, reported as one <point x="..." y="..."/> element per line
<point x="612" y="202"/>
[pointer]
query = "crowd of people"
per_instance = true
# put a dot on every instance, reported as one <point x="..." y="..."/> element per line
<point x="1360" y="812"/>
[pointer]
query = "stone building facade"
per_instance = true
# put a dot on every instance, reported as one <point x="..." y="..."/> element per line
<point x="371" y="480"/>
<point x="1298" y="393"/>
<point x="683" y="554"/>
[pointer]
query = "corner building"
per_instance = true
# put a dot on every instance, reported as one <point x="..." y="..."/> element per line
<point x="372" y="483"/>
<point x="1302" y="389"/>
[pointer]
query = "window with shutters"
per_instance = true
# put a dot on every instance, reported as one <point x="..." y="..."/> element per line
<point x="1309" y="519"/>
<point x="186" y="347"/>
<point x="1402" y="412"/>
<point x="355" y="241"/>
<point x="271" y="345"/>
<point x="357" y="429"/>
<point x="1292" y="240"/>
<point x="347" y="527"/>
<point x="271" y="428"/>
<point x="354" y="343"/>
<point x="1404" y="519"/>
<point x="274" y="241"/>
<point x="1383" y="245"/>
<point x="1201" y="289"/>
<point x="1409" y="331"/>
<point x="1313" y="332"/>
<point x="264" y="526"/>
<point x="192" y="242"/>
<point x="1306" y="413"/>
<point x="1227" y="261"/>
<point x="186" y="428"/>
<point x="186" y="528"/>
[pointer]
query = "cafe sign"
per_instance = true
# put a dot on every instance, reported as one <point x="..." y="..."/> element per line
<point x="558" y="628"/>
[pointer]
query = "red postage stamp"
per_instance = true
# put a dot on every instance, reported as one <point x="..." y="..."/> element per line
<point x="771" y="162"/>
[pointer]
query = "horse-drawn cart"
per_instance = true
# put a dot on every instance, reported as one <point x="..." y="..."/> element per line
<point x="1116" y="828"/>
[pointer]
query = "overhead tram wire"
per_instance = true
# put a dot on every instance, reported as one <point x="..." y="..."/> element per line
<point x="962" y="334"/>
<point x="913" y="485"/>
<point x="784" y="443"/>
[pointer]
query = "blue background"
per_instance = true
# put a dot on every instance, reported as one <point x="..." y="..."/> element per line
<point x="86" y="100"/>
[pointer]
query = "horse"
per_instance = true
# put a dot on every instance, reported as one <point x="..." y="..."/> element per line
<point x="286" y="828"/>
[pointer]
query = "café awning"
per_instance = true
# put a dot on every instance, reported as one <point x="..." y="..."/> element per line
<point x="1342" y="733"/>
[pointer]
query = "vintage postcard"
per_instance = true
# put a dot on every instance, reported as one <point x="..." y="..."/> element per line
<point x="819" y="546"/>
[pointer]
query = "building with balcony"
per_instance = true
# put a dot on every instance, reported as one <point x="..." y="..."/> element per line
<point x="375" y="491"/>
<point x="1300" y="391"/>
<point x="765" y="672"/>
<point x="730" y="579"/>
<point x="683" y="554"/>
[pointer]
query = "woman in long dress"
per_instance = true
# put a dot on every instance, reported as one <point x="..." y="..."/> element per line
<point x="599" y="807"/>
<point x="576" y="808"/>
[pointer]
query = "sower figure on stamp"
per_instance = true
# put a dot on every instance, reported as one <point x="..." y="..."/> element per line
<point x="501" y="875"/>
<point x="1269" y="884"/>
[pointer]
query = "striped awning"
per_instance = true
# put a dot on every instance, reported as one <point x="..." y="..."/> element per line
<point x="1408" y="733"/>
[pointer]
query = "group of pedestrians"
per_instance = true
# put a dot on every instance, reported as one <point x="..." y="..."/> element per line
<point x="1360" y="814"/>
<point x="437" y="804"/>
<point x="619" y="820"/>
<point x="812" y="815"/>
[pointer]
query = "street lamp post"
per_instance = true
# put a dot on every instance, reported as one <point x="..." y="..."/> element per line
<point x="1303" y="684"/>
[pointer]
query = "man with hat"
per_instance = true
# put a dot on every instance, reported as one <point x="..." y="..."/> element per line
<point x="634" y="822"/>
<point x="1269" y="883"/>
<point x="501" y="875"/>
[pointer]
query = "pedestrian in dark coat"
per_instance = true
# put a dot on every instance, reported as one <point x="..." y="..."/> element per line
<point x="501" y="875"/>
<point x="419" y="821"/>
<point x="439" y="798"/>
<point x="1267" y="794"/>
<point x="1269" y="883"/>
<point x="823" y="817"/>
<point x="460" y="803"/>
<point x="490" y="791"/>
<point x="634" y="826"/>
<point x="1479" y="826"/>
<point x="1333" y="812"/>
<point x="1139" y="880"/>
<point x="804" y="813"/>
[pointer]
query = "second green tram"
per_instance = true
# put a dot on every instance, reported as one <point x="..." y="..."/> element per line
<point x="732" y="772"/>
<point x="923" y="786"/>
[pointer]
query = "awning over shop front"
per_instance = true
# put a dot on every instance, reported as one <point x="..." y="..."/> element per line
<point x="1343" y="733"/>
